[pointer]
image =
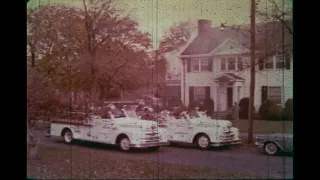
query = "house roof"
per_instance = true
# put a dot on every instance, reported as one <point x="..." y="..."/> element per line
<point x="229" y="76"/>
<point x="267" y="37"/>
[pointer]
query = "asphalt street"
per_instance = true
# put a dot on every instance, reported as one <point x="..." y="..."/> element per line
<point x="245" y="159"/>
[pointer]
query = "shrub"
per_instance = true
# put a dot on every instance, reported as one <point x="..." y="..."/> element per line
<point x="193" y="105"/>
<point x="175" y="102"/>
<point x="275" y="113"/>
<point x="265" y="108"/>
<point x="244" y="108"/>
<point x="229" y="116"/>
<point x="288" y="109"/>
<point x="208" y="105"/>
<point x="256" y="116"/>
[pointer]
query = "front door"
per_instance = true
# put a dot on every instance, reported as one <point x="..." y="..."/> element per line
<point x="288" y="144"/>
<point x="229" y="96"/>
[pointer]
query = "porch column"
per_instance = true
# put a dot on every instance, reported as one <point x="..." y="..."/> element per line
<point x="218" y="100"/>
<point x="235" y="94"/>
<point x="240" y="93"/>
<point x="214" y="95"/>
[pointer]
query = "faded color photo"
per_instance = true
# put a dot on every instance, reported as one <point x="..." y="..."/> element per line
<point x="159" y="89"/>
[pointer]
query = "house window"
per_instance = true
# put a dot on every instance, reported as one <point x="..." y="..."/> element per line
<point x="275" y="62"/>
<point x="280" y="61"/>
<point x="274" y="94"/>
<point x="195" y="65"/>
<point x="223" y="64"/>
<point x="199" y="93"/>
<point x="204" y="64"/>
<point x="231" y="63"/>
<point x="269" y="63"/>
<point x="240" y="64"/>
<point x="200" y="64"/>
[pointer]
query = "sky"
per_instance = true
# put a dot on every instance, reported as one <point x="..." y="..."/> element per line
<point x="156" y="16"/>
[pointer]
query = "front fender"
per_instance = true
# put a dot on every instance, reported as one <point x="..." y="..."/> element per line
<point x="133" y="136"/>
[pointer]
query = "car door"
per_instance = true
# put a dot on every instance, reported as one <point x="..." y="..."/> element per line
<point x="179" y="130"/>
<point x="289" y="143"/>
<point x="106" y="130"/>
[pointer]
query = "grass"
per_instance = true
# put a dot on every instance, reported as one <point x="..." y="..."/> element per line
<point x="62" y="163"/>
<point x="262" y="126"/>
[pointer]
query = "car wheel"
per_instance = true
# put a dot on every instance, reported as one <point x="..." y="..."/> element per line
<point x="125" y="144"/>
<point x="271" y="148"/>
<point x="67" y="136"/>
<point x="203" y="141"/>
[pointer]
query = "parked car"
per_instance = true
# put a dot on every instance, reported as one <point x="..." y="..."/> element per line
<point x="195" y="127"/>
<point x="120" y="127"/>
<point x="275" y="142"/>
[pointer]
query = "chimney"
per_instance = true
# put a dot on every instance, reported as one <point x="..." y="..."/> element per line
<point x="204" y="26"/>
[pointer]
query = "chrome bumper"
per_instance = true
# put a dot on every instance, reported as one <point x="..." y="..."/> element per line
<point x="226" y="143"/>
<point x="259" y="144"/>
<point x="149" y="145"/>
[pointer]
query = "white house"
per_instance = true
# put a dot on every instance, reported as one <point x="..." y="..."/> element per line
<point x="174" y="69"/>
<point x="216" y="64"/>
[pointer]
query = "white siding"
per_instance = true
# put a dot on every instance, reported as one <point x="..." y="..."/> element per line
<point x="173" y="62"/>
<point x="283" y="78"/>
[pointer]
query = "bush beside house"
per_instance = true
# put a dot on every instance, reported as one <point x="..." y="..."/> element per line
<point x="271" y="111"/>
<point x="288" y="109"/>
<point x="265" y="108"/>
<point x="244" y="108"/>
<point x="208" y="106"/>
<point x="194" y="104"/>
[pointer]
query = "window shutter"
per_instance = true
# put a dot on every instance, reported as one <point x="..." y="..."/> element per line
<point x="188" y="65"/>
<point x="240" y="64"/>
<point x="207" y="91"/>
<point x="264" y="93"/>
<point x="191" y="94"/>
<point x="223" y="64"/>
<point x="287" y="59"/>
<point x="261" y="64"/>
<point x="210" y="64"/>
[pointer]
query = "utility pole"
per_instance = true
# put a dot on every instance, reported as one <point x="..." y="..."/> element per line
<point x="252" y="68"/>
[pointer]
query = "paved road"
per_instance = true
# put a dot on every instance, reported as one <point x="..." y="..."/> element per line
<point x="237" y="159"/>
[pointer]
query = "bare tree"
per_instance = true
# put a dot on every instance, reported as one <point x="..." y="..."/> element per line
<point x="281" y="12"/>
<point x="176" y="36"/>
<point x="112" y="43"/>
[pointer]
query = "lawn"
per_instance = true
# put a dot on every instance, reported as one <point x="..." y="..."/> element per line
<point x="64" y="163"/>
<point x="262" y="126"/>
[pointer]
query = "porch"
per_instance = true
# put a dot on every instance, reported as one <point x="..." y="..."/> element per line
<point x="228" y="90"/>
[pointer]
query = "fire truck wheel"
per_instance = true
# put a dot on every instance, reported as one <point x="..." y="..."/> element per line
<point x="203" y="141"/>
<point x="67" y="136"/>
<point x="124" y="144"/>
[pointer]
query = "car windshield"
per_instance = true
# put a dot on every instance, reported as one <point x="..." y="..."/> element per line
<point x="131" y="114"/>
<point x="118" y="113"/>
